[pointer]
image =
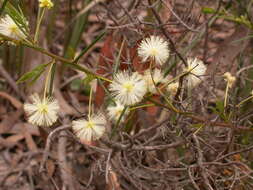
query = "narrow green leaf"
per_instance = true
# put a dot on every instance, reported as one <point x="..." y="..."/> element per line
<point x="88" y="79"/>
<point x="3" y="6"/>
<point x="220" y="106"/>
<point x="76" y="33"/>
<point x="17" y="16"/>
<point x="52" y="74"/>
<point x="208" y="10"/>
<point x="88" y="47"/>
<point x="34" y="74"/>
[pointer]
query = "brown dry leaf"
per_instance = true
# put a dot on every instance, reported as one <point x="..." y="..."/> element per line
<point x="34" y="58"/>
<point x="15" y="102"/>
<point x="113" y="183"/>
<point x="227" y="172"/>
<point x="10" y="120"/>
<point x="237" y="157"/>
<point x="105" y="61"/>
<point x="5" y="143"/>
<point x="166" y="14"/>
<point x="50" y="168"/>
<point x="18" y="128"/>
<point x="224" y="58"/>
<point x="21" y="131"/>
<point x="89" y="143"/>
<point x="14" y="138"/>
<point x="65" y="107"/>
<point x="28" y="139"/>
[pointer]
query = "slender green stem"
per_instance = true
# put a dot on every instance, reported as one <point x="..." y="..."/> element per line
<point x="118" y="122"/>
<point x="141" y="106"/>
<point x="245" y="100"/>
<point x="177" y="77"/>
<point x="51" y="84"/>
<point x="47" y="79"/>
<point x="171" y="106"/>
<point x="226" y="96"/>
<point x="117" y="62"/>
<point x="198" y="129"/>
<point x="68" y="62"/>
<point x="88" y="47"/>
<point x="39" y="20"/>
<point x="85" y="70"/>
<point x="56" y="57"/>
<point x="90" y="100"/>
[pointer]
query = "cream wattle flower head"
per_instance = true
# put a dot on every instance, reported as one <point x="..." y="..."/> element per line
<point x="115" y="111"/>
<point x="128" y="88"/>
<point x="197" y="70"/>
<point x="90" y="129"/>
<point x="172" y="88"/>
<point x="152" y="78"/>
<point x="42" y="112"/>
<point x="154" y="48"/>
<point x="9" y="28"/>
<point x="229" y="78"/>
<point x="46" y="4"/>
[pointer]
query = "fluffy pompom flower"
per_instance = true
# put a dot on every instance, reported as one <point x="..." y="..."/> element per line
<point x="46" y="3"/>
<point x="154" y="48"/>
<point x="197" y="69"/>
<point x="42" y="112"/>
<point x="115" y="111"/>
<point x="128" y="88"/>
<point x="88" y="130"/>
<point x="152" y="81"/>
<point x="230" y="79"/>
<point x="172" y="88"/>
<point x="9" y="28"/>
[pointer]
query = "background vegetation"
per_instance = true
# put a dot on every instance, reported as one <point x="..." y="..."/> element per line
<point x="157" y="147"/>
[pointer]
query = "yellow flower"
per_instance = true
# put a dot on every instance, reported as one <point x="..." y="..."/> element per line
<point x="152" y="78"/>
<point x="9" y="28"/>
<point x="42" y="112"/>
<point x="128" y="88"/>
<point x="46" y="4"/>
<point x="197" y="70"/>
<point x="154" y="48"/>
<point x="115" y="112"/>
<point x="90" y="129"/>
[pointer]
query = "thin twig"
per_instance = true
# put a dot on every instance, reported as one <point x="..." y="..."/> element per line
<point x="48" y="144"/>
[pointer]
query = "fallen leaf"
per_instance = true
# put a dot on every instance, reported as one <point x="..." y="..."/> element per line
<point x="15" y="102"/>
<point x="50" y="167"/>
<point x="10" y="120"/>
<point x="113" y="183"/>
